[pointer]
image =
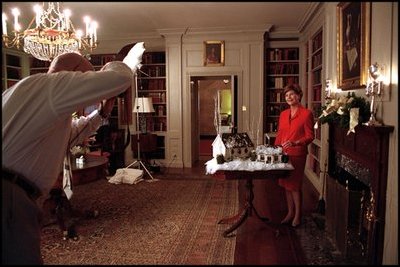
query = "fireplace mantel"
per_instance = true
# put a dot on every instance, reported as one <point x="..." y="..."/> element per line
<point x="365" y="154"/>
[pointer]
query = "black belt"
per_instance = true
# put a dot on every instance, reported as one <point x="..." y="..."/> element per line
<point x="31" y="190"/>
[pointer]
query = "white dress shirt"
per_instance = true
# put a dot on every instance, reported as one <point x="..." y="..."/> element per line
<point x="37" y="114"/>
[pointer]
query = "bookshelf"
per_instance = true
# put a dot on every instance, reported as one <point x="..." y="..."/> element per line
<point x="282" y="68"/>
<point x="38" y="66"/>
<point x="314" y="92"/>
<point x="152" y="83"/>
<point x="98" y="61"/>
<point x="13" y="68"/>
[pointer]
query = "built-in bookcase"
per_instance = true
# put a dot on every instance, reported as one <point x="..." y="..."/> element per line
<point x="152" y="83"/>
<point x="313" y="77"/>
<point x="282" y="68"/>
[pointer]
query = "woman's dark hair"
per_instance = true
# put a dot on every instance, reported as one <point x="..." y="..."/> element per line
<point x="295" y="88"/>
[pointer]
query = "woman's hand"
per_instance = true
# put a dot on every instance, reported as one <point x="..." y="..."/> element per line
<point x="287" y="144"/>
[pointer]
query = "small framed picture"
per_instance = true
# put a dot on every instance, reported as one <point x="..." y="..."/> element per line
<point x="214" y="53"/>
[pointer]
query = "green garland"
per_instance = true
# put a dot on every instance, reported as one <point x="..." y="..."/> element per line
<point x="344" y="119"/>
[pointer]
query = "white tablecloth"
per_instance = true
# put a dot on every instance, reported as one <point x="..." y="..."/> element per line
<point x="244" y="165"/>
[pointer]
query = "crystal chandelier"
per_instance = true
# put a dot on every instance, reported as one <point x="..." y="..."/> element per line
<point x="50" y="33"/>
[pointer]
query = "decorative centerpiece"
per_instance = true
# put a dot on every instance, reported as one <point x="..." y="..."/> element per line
<point x="232" y="145"/>
<point x="271" y="154"/>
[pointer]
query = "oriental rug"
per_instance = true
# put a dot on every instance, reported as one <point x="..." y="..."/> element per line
<point x="171" y="221"/>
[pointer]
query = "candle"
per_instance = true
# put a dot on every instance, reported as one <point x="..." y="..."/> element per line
<point x="16" y="13"/>
<point x="91" y="34"/>
<point x="86" y="19"/>
<point x="4" y="23"/>
<point x="67" y="14"/>
<point x="79" y="34"/>
<point x="95" y="25"/>
<point x="38" y="11"/>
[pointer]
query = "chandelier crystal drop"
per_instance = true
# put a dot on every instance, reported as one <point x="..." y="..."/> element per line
<point x="50" y="33"/>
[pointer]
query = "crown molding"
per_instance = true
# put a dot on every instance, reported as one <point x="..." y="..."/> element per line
<point x="228" y="30"/>
<point x="314" y="8"/>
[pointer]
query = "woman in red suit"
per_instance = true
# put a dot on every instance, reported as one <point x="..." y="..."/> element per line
<point x="295" y="132"/>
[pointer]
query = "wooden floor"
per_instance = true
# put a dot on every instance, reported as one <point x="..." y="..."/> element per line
<point x="256" y="241"/>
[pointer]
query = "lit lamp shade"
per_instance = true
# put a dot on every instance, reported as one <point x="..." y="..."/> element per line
<point x="143" y="105"/>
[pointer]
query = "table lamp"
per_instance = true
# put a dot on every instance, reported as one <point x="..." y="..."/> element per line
<point x="143" y="105"/>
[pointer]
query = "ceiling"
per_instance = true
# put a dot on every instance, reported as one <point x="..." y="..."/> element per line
<point x="122" y="20"/>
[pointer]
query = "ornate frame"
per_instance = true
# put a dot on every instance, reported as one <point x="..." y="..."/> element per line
<point x="353" y="44"/>
<point x="215" y="49"/>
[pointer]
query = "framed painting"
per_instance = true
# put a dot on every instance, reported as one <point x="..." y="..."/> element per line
<point x="353" y="44"/>
<point x="214" y="53"/>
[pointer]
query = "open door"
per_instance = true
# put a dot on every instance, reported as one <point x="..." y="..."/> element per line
<point x="205" y="90"/>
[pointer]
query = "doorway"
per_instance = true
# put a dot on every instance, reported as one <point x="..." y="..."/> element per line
<point x="211" y="94"/>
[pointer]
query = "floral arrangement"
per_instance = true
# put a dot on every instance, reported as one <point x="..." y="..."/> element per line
<point x="79" y="150"/>
<point x="346" y="111"/>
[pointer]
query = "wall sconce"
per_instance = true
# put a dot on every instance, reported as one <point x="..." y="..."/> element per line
<point x="374" y="88"/>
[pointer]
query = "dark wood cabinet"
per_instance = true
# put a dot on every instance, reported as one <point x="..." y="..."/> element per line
<point x="358" y="168"/>
<point x="147" y="145"/>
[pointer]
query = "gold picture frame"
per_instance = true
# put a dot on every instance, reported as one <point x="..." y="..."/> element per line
<point x="214" y="53"/>
<point x="353" y="45"/>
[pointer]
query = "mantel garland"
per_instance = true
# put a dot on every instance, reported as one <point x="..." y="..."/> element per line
<point x="345" y="111"/>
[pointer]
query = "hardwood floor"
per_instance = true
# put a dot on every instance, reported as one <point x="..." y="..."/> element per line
<point x="256" y="242"/>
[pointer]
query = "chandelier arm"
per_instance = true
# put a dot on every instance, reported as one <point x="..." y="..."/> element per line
<point x="30" y="24"/>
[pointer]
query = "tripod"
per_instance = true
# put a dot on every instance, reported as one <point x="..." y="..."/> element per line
<point x="138" y="160"/>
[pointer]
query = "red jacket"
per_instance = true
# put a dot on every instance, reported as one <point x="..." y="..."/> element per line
<point x="299" y="128"/>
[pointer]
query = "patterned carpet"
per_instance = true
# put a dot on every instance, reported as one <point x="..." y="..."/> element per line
<point x="164" y="222"/>
<point x="315" y="244"/>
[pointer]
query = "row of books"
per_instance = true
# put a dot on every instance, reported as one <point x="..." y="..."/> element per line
<point x="283" y="68"/>
<point x="276" y="97"/>
<point x="283" y="54"/>
<point x="272" y="126"/>
<point x="152" y="85"/>
<point x="317" y="93"/>
<point x="157" y="71"/>
<point x="101" y="59"/>
<point x="275" y="110"/>
<point x="160" y="110"/>
<point x="153" y="124"/>
<point x="36" y="63"/>
<point x="281" y="82"/>
<point x="317" y="60"/>
<point x="317" y="77"/>
<point x="157" y="97"/>
<point x="153" y="58"/>
<point x="317" y="42"/>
